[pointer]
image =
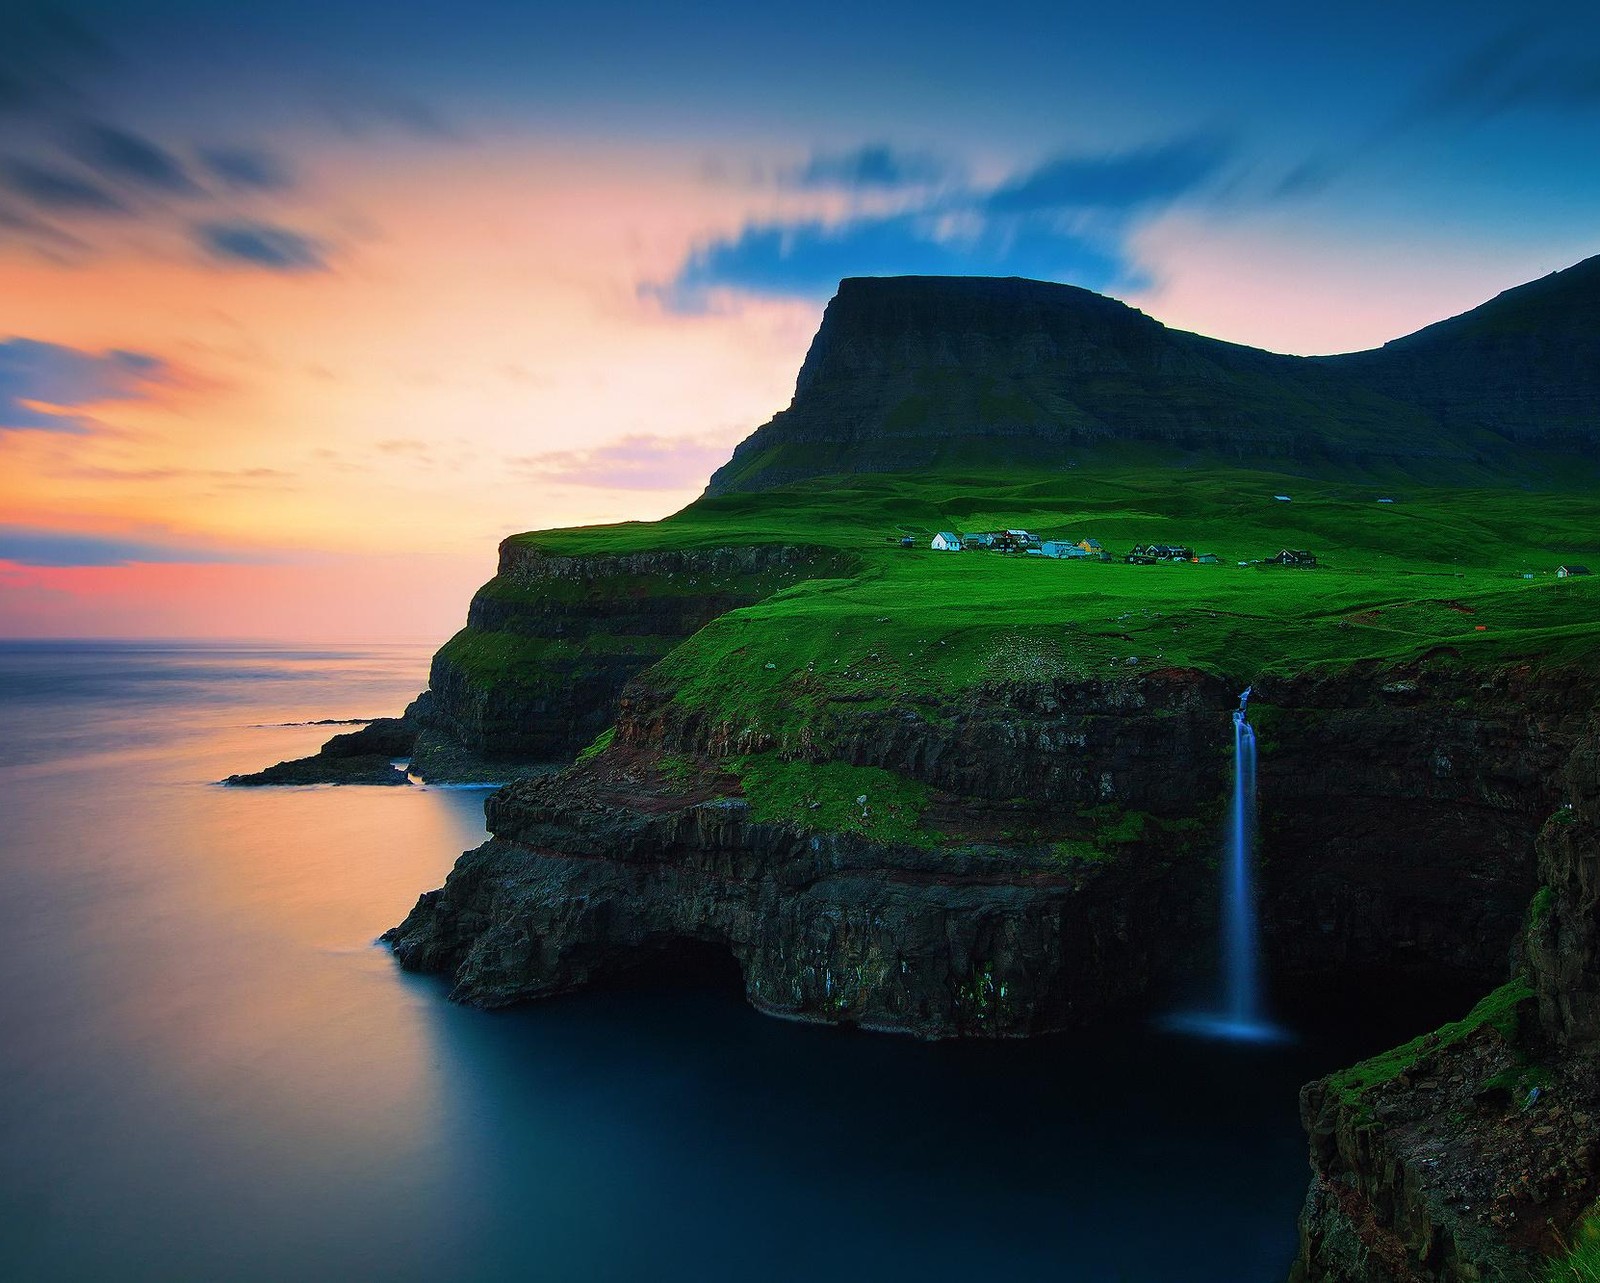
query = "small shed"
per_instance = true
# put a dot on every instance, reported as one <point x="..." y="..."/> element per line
<point x="1209" y="559"/>
<point x="1571" y="569"/>
<point x="946" y="541"/>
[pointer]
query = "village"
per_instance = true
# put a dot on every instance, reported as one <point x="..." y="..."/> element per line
<point x="1026" y="543"/>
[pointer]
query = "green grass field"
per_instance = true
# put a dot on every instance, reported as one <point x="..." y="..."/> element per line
<point x="1436" y="568"/>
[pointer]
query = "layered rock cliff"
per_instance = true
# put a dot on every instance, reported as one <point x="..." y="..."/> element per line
<point x="1061" y="860"/>
<point x="551" y="640"/>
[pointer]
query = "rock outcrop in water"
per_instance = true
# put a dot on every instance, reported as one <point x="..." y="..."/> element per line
<point x="364" y="756"/>
<point x="549" y="643"/>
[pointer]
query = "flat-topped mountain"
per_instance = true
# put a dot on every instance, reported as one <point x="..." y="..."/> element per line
<point x="907" y="373"/>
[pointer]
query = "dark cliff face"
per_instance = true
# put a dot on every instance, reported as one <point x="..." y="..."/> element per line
<point x="907" y="373"/>
<point x="1564" y="924"/>
<point x="599" y="869"/>
<point x="551" y="641"/>
<point x="1475" y="1151"/>
<point x="1401" y="806"/>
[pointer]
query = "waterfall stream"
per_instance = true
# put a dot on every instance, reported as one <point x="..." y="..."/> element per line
<point x="1241" y="997"/>
<point x="1239" y="1013"/>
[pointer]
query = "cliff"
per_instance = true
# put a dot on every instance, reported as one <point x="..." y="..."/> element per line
<point x="978" y="795"/>
<point x="551" y="640"/>
<point x="1018" y="859"/>
<point x="1474" y="1153"/>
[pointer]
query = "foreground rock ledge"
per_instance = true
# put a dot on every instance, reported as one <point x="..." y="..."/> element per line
<point x="830" y="928"/>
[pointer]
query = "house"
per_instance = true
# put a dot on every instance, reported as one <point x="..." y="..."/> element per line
<point x="1208" y="559"/>
<point x="1569" y="570"/>
<point x="977" y="541"/>
<point x="1061" y="548"/>
<point x="1282" y="498"/>
<point x="1295" y="557"/>
<point x="1145" y="553"/>
<point x="1091" y="546"/>
<point x="946" y="541"/>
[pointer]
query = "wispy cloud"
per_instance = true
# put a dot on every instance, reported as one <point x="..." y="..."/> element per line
<point x="874" y="166"/>
<point x="248" y="168"/>
<point x="1121" y="182"/>
<point x="41" y="546"/>
<point x="643" y="461"/>
<point x="1525" y="68"/>
<point x="58" y="190"/>
<point x="1066" y="219"/>
<point x="74" y="154"/>
<point x="808" y="259"/>
<point x="43" y="385"/>
<point x="127" y="157"/>
<point x="1530" y="68"/>
<point x="257" y="244"/>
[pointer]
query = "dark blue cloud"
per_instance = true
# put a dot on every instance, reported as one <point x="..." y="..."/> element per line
<point x="38" y="546"/>
<point x="57" y="190"/>
<point x="1532" y="67"/>
<point x="807" y="260"/>
<point x="1067" y="220"/>
<point x="125" y="156"/>
<point x="1118" y="183"/>
<point x="247" y="168"/>
<point x="876" y="165"/>
<point x="34" y="373"/>
<point x="261" y="245"/>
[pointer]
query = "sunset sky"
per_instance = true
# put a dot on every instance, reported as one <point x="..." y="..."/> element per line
<point x="304" y="306"/>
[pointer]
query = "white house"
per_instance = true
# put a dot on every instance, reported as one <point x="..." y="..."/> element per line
<point x="1569" y="570"/>
<point x="946" y="541"/>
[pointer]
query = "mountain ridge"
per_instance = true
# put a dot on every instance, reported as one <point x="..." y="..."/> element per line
<point x="912" y="371"/>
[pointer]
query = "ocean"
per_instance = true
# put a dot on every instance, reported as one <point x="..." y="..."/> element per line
<point x="212" y="1071"/>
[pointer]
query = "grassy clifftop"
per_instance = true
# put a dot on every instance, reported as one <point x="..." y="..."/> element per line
<point x="1434" y="568"/>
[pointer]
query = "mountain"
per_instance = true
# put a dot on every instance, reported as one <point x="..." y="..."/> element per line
<point x="1524" y="367"/>
<point x="907" y="373"/>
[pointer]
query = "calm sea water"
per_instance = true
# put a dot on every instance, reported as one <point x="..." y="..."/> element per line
<point x="209" y="1071"/>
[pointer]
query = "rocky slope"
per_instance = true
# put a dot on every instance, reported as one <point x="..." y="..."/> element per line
<point x="916" y="372"/>
<point x="1475" y="1153"/>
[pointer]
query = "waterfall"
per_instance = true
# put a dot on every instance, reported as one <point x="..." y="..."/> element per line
<point x="1241" y="984"/>
<point x="1239" y="1014"/>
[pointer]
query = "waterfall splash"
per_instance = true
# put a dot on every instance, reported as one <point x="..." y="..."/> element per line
<point x="1239" y="1015"/>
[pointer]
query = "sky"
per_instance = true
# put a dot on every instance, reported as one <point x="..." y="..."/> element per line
<point x="305" y="306"/>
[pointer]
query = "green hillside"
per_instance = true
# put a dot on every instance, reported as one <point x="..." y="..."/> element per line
<point x="1435" y="568"/>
